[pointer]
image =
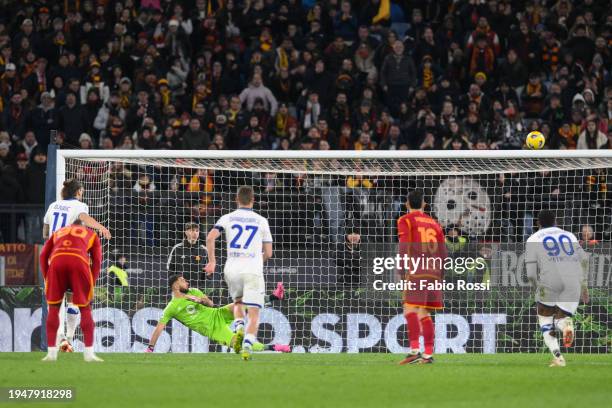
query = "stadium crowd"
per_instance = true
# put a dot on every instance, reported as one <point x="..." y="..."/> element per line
<point x="297" y="74"/>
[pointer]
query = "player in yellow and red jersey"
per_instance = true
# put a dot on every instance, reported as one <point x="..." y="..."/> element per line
<point x="420" y="236"/>
<point x="71" y="259"/>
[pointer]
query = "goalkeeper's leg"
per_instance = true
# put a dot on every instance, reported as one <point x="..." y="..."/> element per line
<point x="277" y="294"/>
<point x="281" y="348"/>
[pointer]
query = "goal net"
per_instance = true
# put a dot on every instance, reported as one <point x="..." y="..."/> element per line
<point x="332" y="214"/>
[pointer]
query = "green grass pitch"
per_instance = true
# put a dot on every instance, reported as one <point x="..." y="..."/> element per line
<point x="315" y="380"/>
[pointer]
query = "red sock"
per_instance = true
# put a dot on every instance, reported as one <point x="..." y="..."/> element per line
<point x="428" y="334"/>
<point x="52" y="325"/>
<point x="414" y="330"/>
<point x="87" y="326"/>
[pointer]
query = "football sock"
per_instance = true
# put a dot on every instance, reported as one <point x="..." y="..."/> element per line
<point x="562" y="323"/>
<point x="249" y="339"/>
<point x="52" y="325"/>
<point x="87" y="326"/>
<point x="546" y="326"/>
<point x="238" y="323"/>
<point x="427" y="327"/>
<point x="88" y="352"/>
<point x="414" y="330"/>
<point x="72" y="320"/>
<point x="52" y="352"/>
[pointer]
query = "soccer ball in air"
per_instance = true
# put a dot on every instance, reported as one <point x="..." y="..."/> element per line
<point x="535" y="140"/>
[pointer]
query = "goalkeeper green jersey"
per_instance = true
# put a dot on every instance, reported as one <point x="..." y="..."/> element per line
<point x="212" y="322"/>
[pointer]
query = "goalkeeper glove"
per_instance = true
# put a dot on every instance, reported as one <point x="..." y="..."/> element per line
<point x="150" y="349"/>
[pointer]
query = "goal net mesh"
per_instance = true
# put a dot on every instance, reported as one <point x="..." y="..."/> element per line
<point x="330" y="219"/>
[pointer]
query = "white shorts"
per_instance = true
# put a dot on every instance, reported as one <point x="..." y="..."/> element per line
<point x="561" y="291"/>
<point x="246" y="285"/>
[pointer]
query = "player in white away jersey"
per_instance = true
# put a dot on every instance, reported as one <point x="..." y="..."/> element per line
<point x="249" y="244"/>
<point x="558" y="265"/>
<point x="60" y="214"/>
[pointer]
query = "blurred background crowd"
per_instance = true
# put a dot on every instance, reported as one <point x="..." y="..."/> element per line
<point x="297" y="74"/>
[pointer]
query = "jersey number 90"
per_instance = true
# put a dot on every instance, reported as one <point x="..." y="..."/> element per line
<point x="554" y="247"/>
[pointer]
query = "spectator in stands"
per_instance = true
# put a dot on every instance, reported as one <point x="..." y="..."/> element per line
<point x="35" y="178"/>
<point x="534" y="95"/>
<point x="195" y="138"/>
<point x="117" y="68"/>
<point x="43" y="119"/>
<point x="394" y="140"/>
<point x="256" y="90"/>
<point x="484" y="31"/>
<point x="397" y="76"/>
<point x="513" y="71"/>
<point x="6" y="156"/>
<point x="591" y="137"/>
<point x="72" y="120"/>
<point x="587" y="237"/>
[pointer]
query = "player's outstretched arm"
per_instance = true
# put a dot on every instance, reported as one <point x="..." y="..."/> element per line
<point x="156" y="333"/>
<point x="90" y="222"/>
<point x="212" y="236"/>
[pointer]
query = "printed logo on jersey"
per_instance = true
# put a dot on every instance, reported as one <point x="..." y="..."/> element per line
<point x="190" y="309"/>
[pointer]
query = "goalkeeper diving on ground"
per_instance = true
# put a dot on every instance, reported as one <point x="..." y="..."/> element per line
<point x="196" y="311"/>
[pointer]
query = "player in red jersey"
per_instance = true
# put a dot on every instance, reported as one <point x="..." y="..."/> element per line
<point x="71" y="259"/>
<point x="420" y="236"/>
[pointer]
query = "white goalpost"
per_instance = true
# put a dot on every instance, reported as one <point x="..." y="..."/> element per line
<point x="332" y="214"/>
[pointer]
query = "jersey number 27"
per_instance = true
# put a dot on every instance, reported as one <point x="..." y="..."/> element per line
<point x="252" y="229"/>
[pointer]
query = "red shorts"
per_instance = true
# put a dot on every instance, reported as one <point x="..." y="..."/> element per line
<point x="69" y="272"/>
<point x="420" y="296"/>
